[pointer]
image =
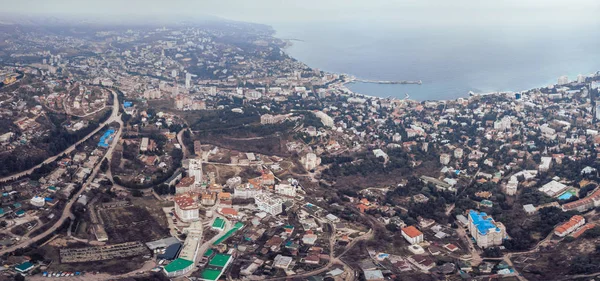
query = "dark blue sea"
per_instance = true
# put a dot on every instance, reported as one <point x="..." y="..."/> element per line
<point x="451" y="61"/>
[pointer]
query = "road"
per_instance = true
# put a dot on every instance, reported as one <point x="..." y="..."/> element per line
<point x="67" y="210"/>
<point x="114" y="117"/>
<point x="333" y="260"/>
<point x="186" y="152"/>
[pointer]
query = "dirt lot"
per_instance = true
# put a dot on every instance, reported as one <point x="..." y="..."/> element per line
<point x="133" y="223"/>
<point x="266" y="145"/>
<point x="553" y="262"/>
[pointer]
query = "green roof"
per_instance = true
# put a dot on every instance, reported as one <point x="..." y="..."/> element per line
<point x="237" y="226"/>
<point x="26" y="266"/>
<point x="219" y="260"/>
<point x="219" y="223"/>
<point x="209" y="252"/>
<point x="211" y="274"/>
<point x="177" y="265"/>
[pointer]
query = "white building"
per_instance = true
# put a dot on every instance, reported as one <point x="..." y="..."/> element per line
<point x="195" y="170"/>
<point x="486" y="231"/>
<point x="285" y="190"/>
<point x="144" y="144"/>
<point x="545" y="164"/>
<point x="563" y="80"/>
<point x="268" y="203"/>
<point x="553" y="188"/>
<point x="445" y="158"/>
<point x="571" y="225"/>
<point x="37" y="201"/>
<point x="246" y="191"/>
<point x="310" y="161"/>
<point x="503" y="124"/>
<point x="186" y="207"/>
<point x="412" y="235"/>
<point x="512" y="186"/>
<point x="325" y="119"/>
<point x="458" y="153"/>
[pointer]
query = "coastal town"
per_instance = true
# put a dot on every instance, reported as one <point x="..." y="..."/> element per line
<point x="205" y="152"/>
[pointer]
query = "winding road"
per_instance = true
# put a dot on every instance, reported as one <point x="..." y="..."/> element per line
<point x="112" y="118"/>
<point x="66" y="213"/>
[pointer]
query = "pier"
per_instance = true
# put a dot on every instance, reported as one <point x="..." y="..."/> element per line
<point x="415" y="82"/>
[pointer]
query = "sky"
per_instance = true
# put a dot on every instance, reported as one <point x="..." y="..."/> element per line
<point x="417" y="12"/>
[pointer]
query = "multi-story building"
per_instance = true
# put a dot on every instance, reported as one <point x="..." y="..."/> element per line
<point x="185" y="185"/>
<point x="325" y="119"/>
<point x="144" y="144"/>
<point x="584" y="204"/>
<point x="285" y="190"/>
<point x="486" y="231"/>
<point x="458" y="153"/>
<point x="445" y="158"/>
<point x="186" y="207"/>
<point x="310" y="161"/>
<point x="412" y="235"/>
<point x="571" y="225"/>
<point x="563" y="80"/>
<point x="246" y="191"/>
<point x="268" y="203"/>
<point x="195" y="170"/>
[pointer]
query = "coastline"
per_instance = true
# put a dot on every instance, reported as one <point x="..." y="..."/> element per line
<point x="467" y="94"/>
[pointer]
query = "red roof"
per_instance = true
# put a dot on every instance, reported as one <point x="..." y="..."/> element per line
<point x="412" y="231"/>
<point x="568" y="226"/>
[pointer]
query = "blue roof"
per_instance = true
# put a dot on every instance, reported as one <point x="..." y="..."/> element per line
<point x="482" y="222"/>
<point x="104" y="139"/>
<point x="127" y="104"/>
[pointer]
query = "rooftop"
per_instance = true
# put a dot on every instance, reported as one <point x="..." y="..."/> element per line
<point x="412" y="231"/>
<point x="177" y="265"/>
<point x="211" y="274"/>
<point x="483" y="222"/>
<point x="220" y="260"/>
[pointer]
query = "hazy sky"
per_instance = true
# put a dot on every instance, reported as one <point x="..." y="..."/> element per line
<point x="420" y="12"/>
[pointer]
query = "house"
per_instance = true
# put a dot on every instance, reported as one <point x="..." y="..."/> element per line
<point x="24" y="267"/>
<point x="412" y="234"/>
<point x="529" y="209"/>
<point x="373" y="275"/>
<point x="282" y="262"/>
<point x="569" y="226"/>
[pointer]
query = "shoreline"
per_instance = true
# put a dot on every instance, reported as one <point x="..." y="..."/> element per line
<point x="353" y="80"/>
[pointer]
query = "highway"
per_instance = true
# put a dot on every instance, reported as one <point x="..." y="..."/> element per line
<point x="114" y="116"/>
<point x="66" y="213"/>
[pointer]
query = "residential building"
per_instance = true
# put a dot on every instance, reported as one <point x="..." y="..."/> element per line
<point x="285" y="190"/>
<point x="581" y="205"/>
<point x="186" y="207"/>
<point x="246" y="191"/>
<point x="268" y="203"/>
<point x="144" y="144"/>
<point x="310" y="161"/>
<point x="486" y="231"/>
<point x="445" y="158"/>
<point x="195" y="170"/>
<point x="325" y="119"/>
<point x="571" y="225"/>
<point x="412" y="235"/>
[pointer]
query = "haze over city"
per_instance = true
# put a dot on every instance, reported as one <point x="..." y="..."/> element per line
<point x="299" y="140"/>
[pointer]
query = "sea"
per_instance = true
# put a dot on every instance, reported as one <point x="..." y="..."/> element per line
<point x="450" y="61"/>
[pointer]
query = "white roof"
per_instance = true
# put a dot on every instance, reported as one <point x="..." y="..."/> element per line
<point x="552" y="188"/>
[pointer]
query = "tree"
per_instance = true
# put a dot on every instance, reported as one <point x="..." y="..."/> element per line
<point x="104" y="165"/>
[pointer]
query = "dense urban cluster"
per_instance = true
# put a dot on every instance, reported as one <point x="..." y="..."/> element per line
<point x="204" y="152"/>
